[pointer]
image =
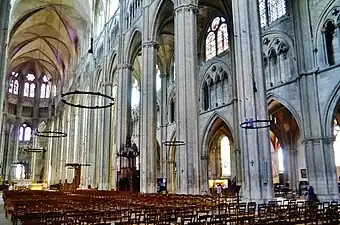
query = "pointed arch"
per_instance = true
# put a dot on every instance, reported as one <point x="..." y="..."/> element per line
<point x="330" y="108"/>
<point x="272" y="96"/>
<point x="133" y="45"/>
<point x="208" y="131"/>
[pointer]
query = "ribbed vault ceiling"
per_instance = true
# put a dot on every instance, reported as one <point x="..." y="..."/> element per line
<point x="44" y="36"/>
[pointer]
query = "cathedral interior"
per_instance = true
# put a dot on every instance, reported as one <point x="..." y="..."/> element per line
<point x="179" y="96"/>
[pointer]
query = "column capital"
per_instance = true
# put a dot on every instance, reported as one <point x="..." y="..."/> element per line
<point x="187" y="8"/>
<point x="150" y="44"/>
<point x="124" y="66"/>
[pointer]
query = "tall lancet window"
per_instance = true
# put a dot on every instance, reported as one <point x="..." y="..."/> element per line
<point x="336" y="143"/>
<point x="225" y="157"/>
<point x="271" y="10"/>
<point x="329" y="36"/>
<point x="25" y="133"/>
<point x="29" y="86"/>
<point x="45" y="90"/>
<point x="217" y="38"/>
<point x="14" y="84"/>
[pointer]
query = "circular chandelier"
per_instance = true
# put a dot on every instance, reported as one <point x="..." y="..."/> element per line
<point x="90" y="93"/>
<point x="173" y="143"/>
<point x="50" y="134"/>
<point x="34" y="149"/>
<point x="256" y="124"/>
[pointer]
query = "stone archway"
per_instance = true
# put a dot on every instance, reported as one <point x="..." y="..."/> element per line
<point x="219" y="157"/>
<point x="336" y="143"/>
<point x="288" y="157"/>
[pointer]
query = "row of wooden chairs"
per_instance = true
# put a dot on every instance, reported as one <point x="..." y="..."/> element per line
<point x="80" y="208"/>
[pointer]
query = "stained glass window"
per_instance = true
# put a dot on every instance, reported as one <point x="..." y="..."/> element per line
<point x="26" y="89"/>
<point x="336" y="143"/>
<point x="21" y="134"/>
<point x="54" y="90"/>
<point x="14" y="84"/>
<point x="48" y="91"/>
<point x="45" y="79"/>
<point x="25" y="133"/>
<point x="30" y="77"/>
<point x="42" y="90"/>
<point x="217" y="38"/>
<point x="32" y="90"/>
<point x="10" y="88"/>
<point x="225" y="157"/>
<point x="16" y="87"/>
<point x="271" y="10"/>
<point x="263" y="13"/>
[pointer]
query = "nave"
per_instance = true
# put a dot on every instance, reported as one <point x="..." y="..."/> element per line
<point x="109" y="207"/>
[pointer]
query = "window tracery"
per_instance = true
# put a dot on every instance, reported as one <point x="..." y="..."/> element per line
<point x="29" y="86"/>
<point x="25" y="133"/>
<point x="217" y="38"/>
<point x="14" y="84"/>
<point x="271" y="10"/>
<point x="45" y="90"/>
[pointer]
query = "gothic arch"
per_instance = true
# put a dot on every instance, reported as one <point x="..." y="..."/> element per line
<point x="320" y="43"/>
<point x="330" y="108"/>
<point x="133" y="44"/>
<point x="207" y="131"/>
<point x="113" y="63"/>
<point x="156" y="25"/>
<point x="274" y="97"/>
<point x="217" y="82"/>
<point x="322" y="18"/>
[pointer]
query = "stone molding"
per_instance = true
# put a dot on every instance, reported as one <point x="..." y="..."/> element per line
<point x="150" y="44"/>
<point x="187" y="8"/>
<point x="125" y="66"/>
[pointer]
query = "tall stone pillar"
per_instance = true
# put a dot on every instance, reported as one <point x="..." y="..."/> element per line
<point x="293" y="173"/>
<point x="5" y="6"/>
<point x="257" y="182"/>
<point x="148" y="118"/>
<point x="123" y="113"/>
<point x="165" y="157"/>
<point x="321" y="170"/>
<point x="107" y="137"/>
<point x="187" y="156"/>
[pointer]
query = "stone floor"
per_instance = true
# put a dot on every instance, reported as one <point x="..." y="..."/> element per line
<point x="3" y="220"/>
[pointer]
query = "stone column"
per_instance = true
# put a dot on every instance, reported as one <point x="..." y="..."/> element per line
<point x="165" y="157"/>
<point x="107" y="140"/>
<point x="254" y="144"/>
<point x="148" y="118"/>
<point x="321" y="171"/>
<point x="123" y="113"/>
<point x="187" y="156"/>
<point x="204" y="172"/>
<point x="293" y="173"/>
<point x="5" y="6"/>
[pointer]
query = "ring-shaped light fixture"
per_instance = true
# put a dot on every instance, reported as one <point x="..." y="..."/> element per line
<point x="76" y="92"/>
<point x="50" y="134"/>
<point x="34" y="150"/>
<point x="256" y="124"/>
<point x="173" y="143"/>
